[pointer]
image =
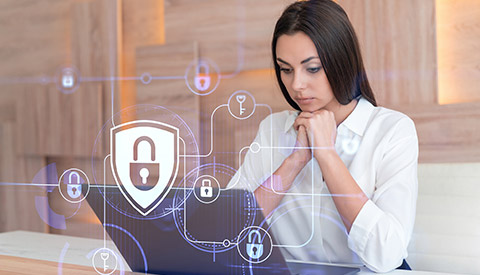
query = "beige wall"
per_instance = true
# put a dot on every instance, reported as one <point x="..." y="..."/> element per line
<point x="457" y="44"/>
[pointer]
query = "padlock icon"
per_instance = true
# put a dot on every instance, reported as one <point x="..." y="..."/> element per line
<point x="67" y="79"/>
<point x="206" y="191"/>
<point x="74" y="189"/>
<point x="254" y="250"/>
<point x="202" y="76"/>
<point x="144" y="175"/>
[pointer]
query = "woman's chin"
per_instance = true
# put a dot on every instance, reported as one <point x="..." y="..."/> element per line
<point x="310" y="108"/>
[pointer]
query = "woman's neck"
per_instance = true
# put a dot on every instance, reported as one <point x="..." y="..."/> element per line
<point x="341" y="112"/>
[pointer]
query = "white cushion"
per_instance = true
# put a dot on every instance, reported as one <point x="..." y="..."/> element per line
<point x="446" y="236"/>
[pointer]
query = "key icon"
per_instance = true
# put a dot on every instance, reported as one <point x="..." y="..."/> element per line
<point x="104" y="256"/>
<point x="240" y="100"/>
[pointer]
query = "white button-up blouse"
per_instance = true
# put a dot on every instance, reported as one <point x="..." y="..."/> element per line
<point x="379" y="147"/>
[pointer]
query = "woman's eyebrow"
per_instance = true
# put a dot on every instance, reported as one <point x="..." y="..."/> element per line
<point x="303" y="62"/>
<point x="308" y="59"/>
<point x="283" y="61"/>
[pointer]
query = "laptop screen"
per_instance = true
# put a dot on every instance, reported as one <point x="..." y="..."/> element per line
<point x="229" y="236"/>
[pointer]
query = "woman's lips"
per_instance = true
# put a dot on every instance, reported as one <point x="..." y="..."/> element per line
<point x="304" y="100"/>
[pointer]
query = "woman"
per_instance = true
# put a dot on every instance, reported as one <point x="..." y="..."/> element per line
<point x="344" y="182"/>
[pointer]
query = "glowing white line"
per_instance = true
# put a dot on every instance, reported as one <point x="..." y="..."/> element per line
<point x="112" y="70"/>
<point x="108" y="78"/>
<point x="167" y="77"/>
<point x="313" y="219"/>
<point x="185" y="203"/>
<point x="211" y="137"/>
<point x="293" y="147"/>
<point x="28" y="184"/>
<point x="239" y="171"/>
<point x="104" y="202"/>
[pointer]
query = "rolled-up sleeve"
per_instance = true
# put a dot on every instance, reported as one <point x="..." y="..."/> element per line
<point x="382" y="229"/>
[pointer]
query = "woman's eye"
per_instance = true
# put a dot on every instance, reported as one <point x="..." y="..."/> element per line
<point x="286" y="70"/>
<point x="314" y="70"/>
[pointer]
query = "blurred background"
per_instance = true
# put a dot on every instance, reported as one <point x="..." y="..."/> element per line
<point x="422" y="58"/>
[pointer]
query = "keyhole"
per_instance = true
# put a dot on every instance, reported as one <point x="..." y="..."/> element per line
<point x="206" y="192"/>
<point x="202" y="82"/>
<point x="254" y="250"/>
<point x="74" y="189"/>
<point x="144" y="174"/>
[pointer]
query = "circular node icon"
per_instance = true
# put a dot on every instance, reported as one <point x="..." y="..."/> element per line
<point x="146" y="78"/>
<point x="350" y="146"/>
<point x="72" y="184"/>
<point x="202" y="77"/>
<point x="67" y="80"/>
<point x="206" y="189"/>
<point x="104" y="261"/>
<point x="241" y="104"/>
<point x="255" y="147"/>
<point x="226" y="243"/>
<point x="255" y="244"/>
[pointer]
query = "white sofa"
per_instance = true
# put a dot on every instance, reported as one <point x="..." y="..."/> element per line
<point x="446" y="237"/>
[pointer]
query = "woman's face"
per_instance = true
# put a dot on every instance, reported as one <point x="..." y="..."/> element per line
<point x="302" y="73"/>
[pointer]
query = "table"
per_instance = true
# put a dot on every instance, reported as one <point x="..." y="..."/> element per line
<point x="24" y="252"/>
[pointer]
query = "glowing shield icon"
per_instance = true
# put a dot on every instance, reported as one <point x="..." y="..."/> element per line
<point x="144" y="160"/>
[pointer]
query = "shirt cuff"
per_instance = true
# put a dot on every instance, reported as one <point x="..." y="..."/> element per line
<point x="362" y="226"/>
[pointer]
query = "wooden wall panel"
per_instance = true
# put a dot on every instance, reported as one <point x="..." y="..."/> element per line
<point x="399" y="48"/>
<point x="447" y="133"/>
<point x="67" y="124"/>
<point x="23" y="60"/>
<point x="142" y="25"/>
<point x="225" y="26"/>
<point x="458" y="35"/>
<point x="96" y="51"/>
<point x="17" y="202"/>
<point x="35" y="37"/>
<point x="47" y="122"/>
<point x="170" y="60"/>
<point x="51" y="123"/>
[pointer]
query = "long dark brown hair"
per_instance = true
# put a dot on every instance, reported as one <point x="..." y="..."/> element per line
<point x="328" y="26"/>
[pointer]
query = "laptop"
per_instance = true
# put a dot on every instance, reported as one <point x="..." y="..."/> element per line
<point x="196" y="237"/>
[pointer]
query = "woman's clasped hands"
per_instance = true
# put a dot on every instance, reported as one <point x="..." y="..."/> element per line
<point x="317" y="130"/>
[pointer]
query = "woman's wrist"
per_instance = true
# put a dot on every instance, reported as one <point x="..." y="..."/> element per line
<point x="324" y="156"/>
<point x="297" y="160"/>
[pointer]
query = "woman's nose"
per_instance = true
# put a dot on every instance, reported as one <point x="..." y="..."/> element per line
<point x="298" y="83"/>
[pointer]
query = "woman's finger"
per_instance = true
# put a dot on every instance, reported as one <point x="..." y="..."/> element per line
<point x="305" y="115"/>
<point x="300" y="121"/>
<point x="302" y="138"/>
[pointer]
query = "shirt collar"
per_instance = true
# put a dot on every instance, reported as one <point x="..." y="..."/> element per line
<point x="292" y="115"/>
<point x="356" y="121"/>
